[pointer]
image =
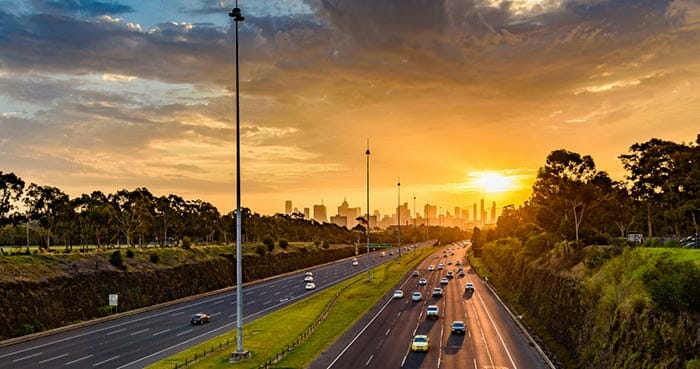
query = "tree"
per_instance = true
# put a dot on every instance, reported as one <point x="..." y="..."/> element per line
<point x="565" y="188"/>
<point x="11" y="189"/>
<point x="48" y="206"/>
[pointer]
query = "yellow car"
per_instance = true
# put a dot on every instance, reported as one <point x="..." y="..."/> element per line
<point x="420" y="343"/>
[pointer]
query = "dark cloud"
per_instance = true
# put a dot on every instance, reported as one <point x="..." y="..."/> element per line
<point x="83" y="7"/>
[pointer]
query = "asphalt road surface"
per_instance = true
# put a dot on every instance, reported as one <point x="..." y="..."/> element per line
<point x="137" y="340"/>
<point x="383" y="338"/>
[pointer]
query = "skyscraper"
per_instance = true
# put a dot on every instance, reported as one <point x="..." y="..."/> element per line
<point x="320" y="213"/>
<point x="430" y="214"/>
<point x="475" y="214"/>
<point x="493" y="212"/>
<point x="288" y="207"/>
<point x="307" y="213"/>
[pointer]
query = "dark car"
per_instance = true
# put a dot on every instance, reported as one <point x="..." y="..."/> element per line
<point x="458" y="327"/>
<point x="199" y="318"/>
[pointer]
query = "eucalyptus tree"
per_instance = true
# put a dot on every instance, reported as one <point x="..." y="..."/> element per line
<point x="565" y="190"/>
<point x="654" y="180"/>
<point x="48" y="206"/>
<point x="133" y="213"/>
<point x="96" y="216"/>
<point x="11" y="190"/>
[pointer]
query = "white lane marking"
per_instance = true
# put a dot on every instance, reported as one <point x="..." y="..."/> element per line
<point x="161" y="332"/>
<point x="267" y="302"/>
<point x="498" y="332"/>
<point x="117" y="331"/>
<point x="185" y="332"/>
<point x="359" y="334"/>
<point x="232" y="315"/>
<point x="178" y="313"/>
<point x="404" y="359"/>
<point x="27" y="357"/>
<point x="483" y="336"/>
<point x="387" y="332"/>
<point x="53" y="358"/>
<point x="250" y="302"/>
<point x="141" y="331"/>
<point x="218" y="302"/>
<point x="475" y="367"/>
<point x="76" y="360"/>
<point x="215" y="314"/>
<point x="370" y="359"/>
<point x="276" y="293"/>
<point x="106" y="360"/>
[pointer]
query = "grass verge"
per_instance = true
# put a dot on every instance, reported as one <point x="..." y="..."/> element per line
<point x="273" y="333"/>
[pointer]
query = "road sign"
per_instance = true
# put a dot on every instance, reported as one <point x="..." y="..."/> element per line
<point x="113" y="299"/>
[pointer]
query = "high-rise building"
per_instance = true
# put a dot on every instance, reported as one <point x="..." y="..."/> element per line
<point x="430" y="214"/>
<point x="307" y="213"/>
<point x="405" y="214"/>
<point x="465" y="215"/>
<point x="320" y="213"/>
<point x="351" y="214"/>
<point x="493" y="212"/>
<point x="340" y="220"/>
<point x="475" y="214"/>
<point x="458" y="212"/>
<point x="288" y="207"/>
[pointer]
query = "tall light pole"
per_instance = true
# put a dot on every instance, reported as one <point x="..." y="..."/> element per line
<point x="398" y="213"/>
<point x="367" y="153"/>
<point x="240" y="353"/>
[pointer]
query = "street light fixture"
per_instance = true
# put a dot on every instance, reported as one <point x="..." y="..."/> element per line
<point x="367" y="153"/>
<point x="239" y="354"/>
<point x="398" y="214"/>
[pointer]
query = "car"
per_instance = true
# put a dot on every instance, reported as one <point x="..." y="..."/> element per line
<point x="420" y="343"/>
<point x="458" y="262"/>
<point x="398" y="294"/>
<point x="449" y="262"/>
<point x="469" y="287"/>
<point x="355" y="263"/>
<point x="199" y="319"/>
<point x="416" y="296"/>
<point x="461" y="273"/>
<point x="308" y="278"/>
<point x="450" y="274"/>
<point x="422" y="282"/>
<point x="441" y="266"/>
<point x="310" y="286"/>
<point x="444" y="281"/>
<point x="309" y="274"/>
<point x="458" y="327"/>
<point x="432" y="312"/>
<point x="415" y="273"/>
<point x="431" y="268"/>
<point x="437" y="292"/>
<point x="391" y="253"/>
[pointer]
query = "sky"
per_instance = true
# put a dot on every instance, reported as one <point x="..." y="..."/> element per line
<point x="458" y="99"/>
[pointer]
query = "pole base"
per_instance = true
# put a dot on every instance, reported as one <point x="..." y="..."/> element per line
<point x="237" y="356"/>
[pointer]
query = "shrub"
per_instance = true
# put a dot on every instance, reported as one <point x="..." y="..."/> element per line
<point x="260" y="250"/>
<point x="326" y="245"/>
<point x="116" y="259"/>
<point x="130" y="253"/>
<point x="186" y="243"/>
<point x="269" y="243"/>
<point x="284" y="244"/>
<point x="155" y="258"/>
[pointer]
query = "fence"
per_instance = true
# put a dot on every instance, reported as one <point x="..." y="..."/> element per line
<point x="271" y="360"/>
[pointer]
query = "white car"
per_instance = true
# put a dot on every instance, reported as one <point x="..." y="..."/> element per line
<point x="310" y="286"/>
<point x="440" y="266"/>
<point x="431" y="268"/>
<point x="354" y="262"/>
<point x="422" y="282"/>
<point x="416" y="296"/>
<point x="444" y="281"/>
<point x="469" y="287"/>
<point x="308" y="278"/>
<point x="398" y="294"/>
<point x="309" y="274"/>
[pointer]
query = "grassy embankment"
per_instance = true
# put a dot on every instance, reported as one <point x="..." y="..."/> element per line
<point x="273" y="333"/>
<point x="39" y="265"/>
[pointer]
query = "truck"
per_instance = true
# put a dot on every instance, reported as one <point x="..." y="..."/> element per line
<point x="432" y="312"/>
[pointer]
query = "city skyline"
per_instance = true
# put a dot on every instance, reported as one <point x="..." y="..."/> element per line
<point x="464" y="104"/>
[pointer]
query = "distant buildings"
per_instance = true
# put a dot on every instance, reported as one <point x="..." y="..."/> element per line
<point x="320" y="213"/>
<point x="288" y="207"/>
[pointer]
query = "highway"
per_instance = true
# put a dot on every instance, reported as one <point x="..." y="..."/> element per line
<point x="383" y="338"/>
<point x="136" y="340"/>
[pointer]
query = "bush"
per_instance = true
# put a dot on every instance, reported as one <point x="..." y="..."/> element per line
<point x="155" y="258"/>
<point x="130" y="253"/>
<point x="260" y="250"/>
<point x="268" y="242"/>
<point x="187" y="243"/>
<point x="326" y="245"/>
<point x="116" y="259"/>
<point x="284" y="244"/>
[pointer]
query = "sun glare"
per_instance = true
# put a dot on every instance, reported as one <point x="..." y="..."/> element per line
<point x="492" y="182"/>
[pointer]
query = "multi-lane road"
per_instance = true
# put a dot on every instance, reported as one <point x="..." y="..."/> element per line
<point x="383" y="338"/>
<point x="136" y="340"/>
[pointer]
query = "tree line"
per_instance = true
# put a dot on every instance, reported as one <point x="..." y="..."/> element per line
<point x="137" y="218"/>
<point x="573" y="200"/>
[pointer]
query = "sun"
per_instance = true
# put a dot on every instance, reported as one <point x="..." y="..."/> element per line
<point x="492" y="182"/>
